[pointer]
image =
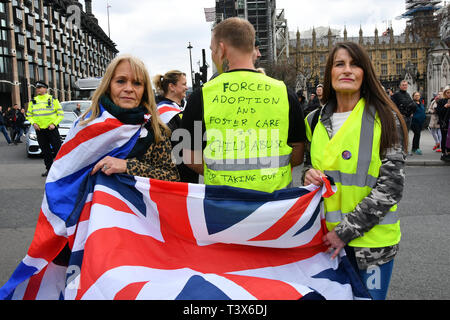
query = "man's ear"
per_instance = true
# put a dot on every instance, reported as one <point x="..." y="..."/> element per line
<point x="223" y="50"/>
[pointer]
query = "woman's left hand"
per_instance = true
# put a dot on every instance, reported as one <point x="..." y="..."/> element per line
<point x="332" y="240"/>
<point x="110" y="165"/>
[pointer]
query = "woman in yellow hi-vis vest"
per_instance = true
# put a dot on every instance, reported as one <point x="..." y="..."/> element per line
<point x="359" y="140"/>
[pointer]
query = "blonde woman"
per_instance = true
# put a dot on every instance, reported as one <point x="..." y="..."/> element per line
<point x="126" y="93"/>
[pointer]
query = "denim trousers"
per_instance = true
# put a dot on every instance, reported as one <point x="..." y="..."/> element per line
<point x="375" y="278"/>
<point x="5" y="133"/>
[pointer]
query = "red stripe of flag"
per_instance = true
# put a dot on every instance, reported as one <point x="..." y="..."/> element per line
<point x="168" y="109"/>
<point x="171" y="200"/>
<point x="86" y="134"/>
<point x="265" y="289"/>
<point x="288" y="220"/>
<point x="46" y="244"/>
<point x="130" y="292"/>
<point x="34" y="285"/>
<point x="114" y="203"/>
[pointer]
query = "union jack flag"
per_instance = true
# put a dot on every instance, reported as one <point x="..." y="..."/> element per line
<point x="124" y="237"/>
<point x="167" y="110"/>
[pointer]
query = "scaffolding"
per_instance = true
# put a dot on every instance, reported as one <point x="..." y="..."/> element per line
<point x="270" y="24"/>
<point x="422" y="21"/>
<point x="281" y="45"/>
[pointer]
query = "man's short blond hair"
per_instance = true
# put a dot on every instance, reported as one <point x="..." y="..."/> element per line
<point x="236" y="32"/>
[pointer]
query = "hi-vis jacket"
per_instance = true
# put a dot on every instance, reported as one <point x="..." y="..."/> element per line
<point x="44" y="110"/>
<point x="246" y="116"/>
<point x="352" y="159"/>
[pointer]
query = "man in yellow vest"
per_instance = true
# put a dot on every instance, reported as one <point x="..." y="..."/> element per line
<point x="45" y="113"/>
<point x="245" y="128"/>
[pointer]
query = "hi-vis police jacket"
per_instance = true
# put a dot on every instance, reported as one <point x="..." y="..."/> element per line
<point x="369" y="187"/>
<point x="44" y="110"/>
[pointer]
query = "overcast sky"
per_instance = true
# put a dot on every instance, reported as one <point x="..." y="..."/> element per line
<point x="159" y="31"/>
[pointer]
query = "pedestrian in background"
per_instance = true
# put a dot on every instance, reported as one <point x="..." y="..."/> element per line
<point x="404" y="103"/>
<point x="9" y="116"/>
<point x="301" y="99"/>
<point x="19" y="124"/>
<point x="45" y="113"/>
<point x="434" y="126"/>
<point x="3" y="126"/>
<point x="417" y="123"/>
<point x="171" y="88"/>
<point x="77" y="110"/>
<point x="360" y="140"/>
<point x="443" y="111"/>
<point x="315" y="101"/>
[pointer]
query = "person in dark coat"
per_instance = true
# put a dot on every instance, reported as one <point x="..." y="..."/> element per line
<point x="3" y="126"/>
<point x="404" y="103"/>
<point x="19" y="124"/>
<point x="443" y="112"/>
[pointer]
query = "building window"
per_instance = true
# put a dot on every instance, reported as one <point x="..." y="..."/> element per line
<point x="384" y="55"/>
<point x="398" y="54"/>
<point x="307" y="58"/>
<point x="399" y="68"/>
<point x="413" y="53"/>
<point x="384" y="69"/>
<point x="322" y="58"/>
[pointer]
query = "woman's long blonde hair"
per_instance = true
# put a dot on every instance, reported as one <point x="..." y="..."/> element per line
<point x="148" y="99"/>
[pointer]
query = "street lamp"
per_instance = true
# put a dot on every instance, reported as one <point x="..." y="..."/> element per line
<point x="190" y="57"/>
<point x="107" y="11"/>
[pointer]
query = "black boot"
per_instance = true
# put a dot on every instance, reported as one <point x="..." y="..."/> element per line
<point x="45" y="173"/>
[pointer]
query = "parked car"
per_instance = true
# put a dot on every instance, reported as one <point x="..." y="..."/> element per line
<point x="64" y="127"/>
<point x="70" y="106"/>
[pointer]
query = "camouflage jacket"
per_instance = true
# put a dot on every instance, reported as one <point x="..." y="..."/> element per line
<point x="387" y="192"/>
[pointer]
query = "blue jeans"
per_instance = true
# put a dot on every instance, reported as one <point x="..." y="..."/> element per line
<point x="377" y="279"/>
<point x="18" y="134"/>
<point x="5" y="133"/>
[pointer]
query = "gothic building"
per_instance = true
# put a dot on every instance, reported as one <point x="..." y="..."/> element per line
<point x="420" y="54"/>
<point x="392" y="55"/>
<point x="50" y="40"/>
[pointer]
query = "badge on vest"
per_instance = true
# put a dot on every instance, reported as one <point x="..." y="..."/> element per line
<point x="346" y="155"/>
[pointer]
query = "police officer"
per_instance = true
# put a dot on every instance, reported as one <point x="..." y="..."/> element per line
<point x="253" y="124"/>
<point x="45" y="113"/>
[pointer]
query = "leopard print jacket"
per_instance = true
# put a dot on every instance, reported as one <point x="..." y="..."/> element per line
<point x="156" y="163"/>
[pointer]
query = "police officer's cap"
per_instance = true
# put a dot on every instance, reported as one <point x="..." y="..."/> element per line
<point x="41" y="84"/>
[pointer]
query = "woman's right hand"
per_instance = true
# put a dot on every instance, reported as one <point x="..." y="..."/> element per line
<point x="314" y="177"/>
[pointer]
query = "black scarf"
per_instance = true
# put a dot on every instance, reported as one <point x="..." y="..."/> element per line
<point x="133" y="116"/>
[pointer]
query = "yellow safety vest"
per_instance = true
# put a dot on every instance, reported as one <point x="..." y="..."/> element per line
<point x="44" y="110"/>
<point x="352" y="159"/>
<point x="246" y="116"/>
